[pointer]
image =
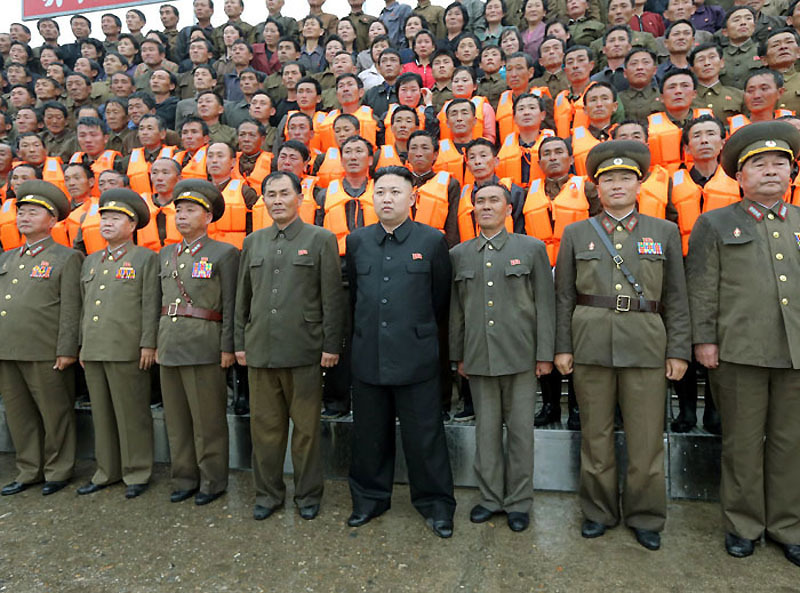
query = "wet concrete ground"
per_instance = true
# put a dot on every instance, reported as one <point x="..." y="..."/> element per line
<point x="102" y="542"/>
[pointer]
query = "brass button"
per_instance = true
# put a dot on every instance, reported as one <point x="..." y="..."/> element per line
<point x="491" y="247"/>
<point x="105" y="271"/>
<point x="22" y="266"/>
<point x="490" y="283"/>
<point x="619" y="227"/>
<point x="15" y="281"/>
<point x="618" y="287"/>
<point x="782" y="278"/>
<point x="97" y="302"/>
<point x="181" y="266"/>
<point x="779" y="256"/>
<point x="274" y="311"/>
<point x="177" y="301"/>
<point x="110" y="258"/>
<point x="490" y="303"/>
<point x="488" y="264"/>
<point x="174" y="319"/>
<point x="8" y="297"/>
<point x="618" y="246"/>
<point x="784" y="301"/>
<point x="95" y="318"/>
<point x="771" y="216"/>
<point x="491" y="323"/>
<point x="3" y="313"/>
<point x="279" y="252"/>
<point x="27" y="252"/>
<point x="776" y="234"/>
<point x="186" y="250"/>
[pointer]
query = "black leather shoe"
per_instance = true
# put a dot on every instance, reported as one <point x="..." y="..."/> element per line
<point x="518" y="521"/>
<point x="574" y="419"/>
<point x="441" y="527"/>
<point x="358" y="519"/>
<point x="53" y="487"/>
<point x="738" y="547"/>
<point x="648" y="539"/>
<point x="591" y="529"/>
<point x="181" y="495"/>
<point x="480" y="514"/>
<point x="201" y="498"/>
<point x="91" y="488"/>
<point x="712" y="422"/>
<point x="683" y="423"/>
<point x="134" y="490"/>
<point x="309" y="512"/>
<point x="792" y="553"/>
<point x="548" y="414"/>
<point x="14" y="488"/>
<point x="260" y="512"/>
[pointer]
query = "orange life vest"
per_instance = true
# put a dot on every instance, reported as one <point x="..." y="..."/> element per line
<point x="262" y="168"/>
<point x="582" y="142"/>
<point x="90" y="229"/>
<point x="387" y="122"/>
<point x="664" y="138"/>
<point x="739" y="120"/>
<point x="719" y="191"/>
<point x="467" y="227"/>
<point x="452" y="161"/>
<point x="477" y="131"/>
<point x="504" y="116"/>
<point x="432" y="201"/>
<point x="511" y="155"/>
<point x="793" y="192"/>
<point x="103" y="163"/>
<point x="196" y="167"/>
<point x="139" y="168"/>
<point x="308" y="209"/>
<point x="316" y="138"/>
<point x="654" y="193"/>
<point x="335" y="219"/>
<point x="331" y="167"/>
<point x="546" y="219"/>
<point x="9" y="235"/>
<point x="53" y="172"/>
<point x="368" y="127"/>
<point x="73" y="222"/>
<point x="388" y="157"/>
<point x="569" y="114"/>
<point x="148" y="236"/>
<point x="231" y="226"/>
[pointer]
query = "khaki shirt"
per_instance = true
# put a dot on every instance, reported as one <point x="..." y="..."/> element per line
<point x="40" y="307"/>
<point x="723" y="100"/>
<point x="502" y="305"/>
<point x="123" y="142"/>
<point x="361" y="23"/>
<point x="790" y="99"/>
<point x="434" y="15"/>
<point x="64" y="145"/>
<point x="441" y="96"/>
<point x="651" y="248"/>
<point x="121" y="303"/>
<point x="491" y="87"/>
<point x="222" y="133"/>
<point x="290" y="306"/>
<point x="739" y="60"/>
<point x="273" y="86"/>
<point x="555" y="82"/>
<point x="743" y="272"/>
<point x="585" y="30"/>
<point x="638" y="104"/>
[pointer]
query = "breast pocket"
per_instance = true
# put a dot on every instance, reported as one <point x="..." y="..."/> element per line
<point x="256" y="269"/>
<point x="419" y="267"/>
<point x="464" y="275"/>
<point x="651" y="274"/>
<point x="588" y="271"/>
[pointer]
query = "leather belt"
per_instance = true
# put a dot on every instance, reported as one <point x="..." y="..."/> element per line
<point x="176" y="310"/>
<point x="622" y="303"/>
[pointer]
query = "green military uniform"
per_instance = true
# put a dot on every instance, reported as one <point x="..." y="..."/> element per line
<point x="290" y="28"/>
<point x="39" y="317"/>
<point x="326" y="79"/>
<point x="191" y="337"/>
<point x="638" y="39"/>
<point x="273" y="86"/>
<point x="639" y="104"/>
<point x="790" y="99"/>
<point x="492" y="86"/>
<point x="64" y="145"/>
<point x="434" y="14"/>
<point x="724" y="101"/>
<point x="555" y="82"/>
<point x="121" y="307"/>
<point x="250" y="35"/>
<point x="122" y="141"/>
<point x="743" y="272"/>
<point x="594" y="10"/>
<point x="502" y="320"/>
<point x="585" y="30"/>
<point x="739" y="60"/>
<point x="619" y="343"/>
<point x="361" y="23"/>
<point x="221" y="133"/>
<point x="441" y="96"/>
<point x="283" y="338"/>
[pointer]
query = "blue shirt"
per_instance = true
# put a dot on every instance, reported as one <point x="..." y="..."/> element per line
<point x="394" y="17"/>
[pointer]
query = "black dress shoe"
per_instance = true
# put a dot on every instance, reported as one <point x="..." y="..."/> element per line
<point x="591" y="529"/>
<point x="91" y="488"/>
<point x="574" y="419"/>
<point x="53" y="487"/>
<point x="260" y="512"/>
<point x="201" y="498"/>
<point x="480" y="514"/>
<point x="309" y="512"/>
<point x="134" y="490"/>
<point x="712" y="422"/>
<point x="357" y="519"/>
<point x="648" y="539"/>
<point x="181" y="495"/>
<point x="792" y="553"/>
<point x="441" y="527"/>
<point x="548" y="414"/>
<point x="518" y="521"/>
<point x="14" y="488"/>
<point x="738" y="547"/>
<point x="683" y="423"/>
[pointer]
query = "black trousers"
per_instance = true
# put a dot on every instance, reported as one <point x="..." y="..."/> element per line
<point x="418" y="406"/>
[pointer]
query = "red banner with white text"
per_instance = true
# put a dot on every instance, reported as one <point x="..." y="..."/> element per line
<point x="36" y="9"/>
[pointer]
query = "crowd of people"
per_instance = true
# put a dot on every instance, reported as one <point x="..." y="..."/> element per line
<point x="328" y="214"/>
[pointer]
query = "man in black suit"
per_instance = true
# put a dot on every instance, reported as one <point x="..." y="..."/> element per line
<point x="399" y="273"/>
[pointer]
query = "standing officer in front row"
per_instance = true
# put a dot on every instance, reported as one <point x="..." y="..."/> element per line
<point x="743" y="272"/>
<point x="39" y="317"/>
<point x="195" y="343"/>
<point x="502" y="333"/>
<point x="399" y="277"/>
<point x="622" y="322"/>
<point x="121" y="304"/>
<point x="289" y="324"/>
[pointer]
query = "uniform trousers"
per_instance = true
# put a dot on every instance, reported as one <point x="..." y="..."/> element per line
<point x="195" y="410"/>
<point x="418" y="407"/>
<point x="123" y="423"/>
<point x="338" y="379"/>
<point x="40" y="412"/>
<point x="505" y="479"/>
<point x="277" y="396"/>
<point x="640" y="393"/>
<point x="760" y="485"/>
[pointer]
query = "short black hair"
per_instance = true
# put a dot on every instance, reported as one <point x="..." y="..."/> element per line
<point x="394" y="170"/>
<point x="628" y="122"/>
<point x="551" y="139"/>
<point x="481" y="142"/>
<point x="313" y="81"/>
<point x="193" y="119"/>
<point x="352" y="139"/>
<point x="459" y="101"/>
<point x="703" y="47"/>
<point x="734" y="9"/>
<point x="404" y="109"/>
<point x="672" y="72"/>
<point x="407" y="77"/>
<point x="93" y="122"/>
<point x="705" y="118"/>
<point x="426" y="134"/>
<point x="295" y="145"/>
<point x="601" y="84"/>
<point x="777" y="76"/>
<point x="505" y="191"/>
<point x="296" y="185"/>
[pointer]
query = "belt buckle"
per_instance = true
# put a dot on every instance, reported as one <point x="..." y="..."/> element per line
<point x="172" y="310"/>
<point x="623" y="303"/>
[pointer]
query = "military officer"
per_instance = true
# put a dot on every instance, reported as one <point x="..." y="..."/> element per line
<point x="41" y="303"/>
<point x="195" y="343"/>
<point x="399" y="278"/>
<point x="623" y="325"/>
<point x="121" y="306"/>
<point x="286" y="341"/>
<point x="502" y="333"/>
<point x="743" y="271"/>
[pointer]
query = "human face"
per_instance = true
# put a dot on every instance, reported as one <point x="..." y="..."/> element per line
<point x="421" y="154"/>
<point x="461" y="119"/>
<point x="232" y="9"/>
<point x="26" y="121"/>
<point x="640" y="70"/>
<point x="20" y="97"/>
<point x="18" y="54"/>
<point x="21" y="174"/>
<point x="555" y="159"/>
<point x="491" y="60"/>
<point x="240" y="55"/>
<point x="355" y="159"/>
<point x="392" y="197"/>
<point x="248" y="82"/>
<point x="347" y="91"/>
<point x="481" y="162"/>
<point x="332" y="48"/>
<point x="761" y="94"/>
<point x="202" y="9"/>
<point x="168" y="18"/>
<point x="150" y="54"/>
<point x="678" y="93"/>
<point x="209" y="108"/>
<point x="136" y="110"/>
<point x="617" y="45"/>
<point x="198" y="52"/>
<point x="291" y="76"/>
<point x="116" y="228"/>
<point x="275" y="6"/>
<point x="112" y="65"/>
<point x="191" y="219"/>
<point x="467" y="51"/>
<point x="261" y="108"/>
<point x="534" y="12"/>
<point x="491" y="209"/>
<point x="578" y="67"/>
<point x="600" y="106"/>
<point x="409" y="94"/>
<point x="493" y="12"/>
<point x="707" y="65"/>
<point x="307" y="97"/>
<point x="77" y="183"/>
<point x="291" y="161"/>
<point x="377" y="50"/>
<point x="765" y="177"/>
<point x="443" y="68"/>
<point x="741" y="26"/>
<point x="80" y="28"/>
<point x="782" y="50"/>
<point x="109" y="179"/>
<point x="705" y="141"/>
<point x="32" y="150"/>
<point x="82" y="66"/>
<point x="298" y="128"/>
<point x="121" y="85"/>
<point x="116" y="116"/>
<point x="618" y="189"/>
<point x="149" y="134"/>
<point x="282" y="201"/>
<point x="518" y="75"/>
<point x="558" y="30"/>
<point x="576" y="8"/>
<point x="126" y="48"/>
<point x="163" y="176"/>
<point x="463" y="85"/>
<point x="454" y="21"/>
<point x="48" y="31"/>
<point x="47" y="57"/>
<point x="133" y="22"/>
<point x="55" y="121"/>
<point x="109" y="26"/>
<point x="413" y="26"/>
<point x="249" y="138"/>
<point x="229" y="35"/>
<point x="343" y="64"/>
<point x="77" y="89"/>
<point x="6" y="158"/>
<point x="342" y="130"/>
<point x="528" y="114"/>
<point x="620" y="12"/>
<point x="679" y="9"/>
<point x="680" y="40"/>
<point x="45" y="90"/>
<point x="311" y="29"/>
<point x="286" y="52"/>
<point x="17" y="75"/>
<point x="402" y="125"/>
<point x="203" y="81"/>
<point x="192" y="136"/>
<point x="346" y="31"/>
<point x="551" y="55"/>
<point x="91" y="139"/>
<point x="423" y="46"/>
<point x="271" y="35"/>
<point x="375" y="29"/>
<point x="160" y="83"/>
<point x="389" y="66"/>
<point x="219" y="161"/>
<point x="34" y="222"/>
<point x="632" y="131"/>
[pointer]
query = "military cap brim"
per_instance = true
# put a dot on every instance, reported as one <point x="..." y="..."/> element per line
<point x="46" y="195"/>
<point x="128" y="202"/>
<point x="628" y="155"/>
<point x="758" y="138"/>
<point x="201" y="192"/>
